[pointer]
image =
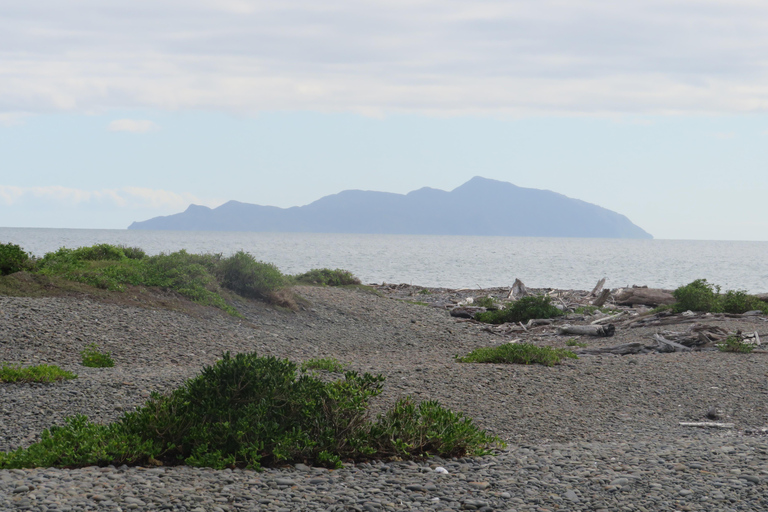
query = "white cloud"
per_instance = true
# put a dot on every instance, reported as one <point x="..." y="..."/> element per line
<point x="126" y="197"/>
<point x="131" y="125"/>
<point x="436" y="56"/>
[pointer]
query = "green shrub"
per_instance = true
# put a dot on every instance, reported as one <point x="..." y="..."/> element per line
<point x="249" y="411"/>
<point x="527" y="308"/>
<point x="697" y="296"/>
<point x="93" y="358"/>
<point x="39" y="373"/>
<point x="518" y="353"/>
<point x="133" y="253"/>
<point x="485" y="302"/>
<point x="573" y="343"/>
<point x="250" y="278"/>
<point x="329" y="364"/>
<point x="735" y="344"/>
<point x="327" y="277"/>
<point x="739" y="301"/>
<point x="12" y="259"/>
<point x="412" y="430"/>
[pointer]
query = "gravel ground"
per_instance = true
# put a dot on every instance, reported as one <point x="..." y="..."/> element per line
<point x="599" y="432"/>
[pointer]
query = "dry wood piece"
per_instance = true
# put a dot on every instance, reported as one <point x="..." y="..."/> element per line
<point x="518" y="290"/>
<point x="697" y="336"/>
<point x="646" y="296"/>
<point x="607" y="318"/>
<point x="597" y="288"/>
<point x="666" y="345"/>
<point x="605" y="331"/>
<point x="600" y="300"/>
<point x="619" y="350"/>
<point x="706" y="424"/>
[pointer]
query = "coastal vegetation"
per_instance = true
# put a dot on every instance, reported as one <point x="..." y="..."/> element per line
<point x="328" y="364"/>
<point x="92" y="357"/>
<point x="38" y="373"/>
<point x="700" y="295"/>
<point x="735" y="344"/>
<point x="206" y="279"/>
<point x="251" y="411"/>
<point x="522" y="310"/>
<point x="518" y="353"/>
<point x="327" y="277"/>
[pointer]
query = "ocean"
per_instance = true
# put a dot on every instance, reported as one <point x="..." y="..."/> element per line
<point x="453" y="261"/>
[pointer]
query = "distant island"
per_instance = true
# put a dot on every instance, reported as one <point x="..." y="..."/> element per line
<point x="478" y="207"/>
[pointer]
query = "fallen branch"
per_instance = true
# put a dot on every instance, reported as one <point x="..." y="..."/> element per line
<point x="706" y="424"/>
<point x="666" y="345"/>
<point x="605" y="331"/>
<point x="618" y="350"/>
<point x="607" y="318"/>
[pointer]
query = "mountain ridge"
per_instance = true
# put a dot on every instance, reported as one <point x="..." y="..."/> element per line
<point x="480" y="206"/>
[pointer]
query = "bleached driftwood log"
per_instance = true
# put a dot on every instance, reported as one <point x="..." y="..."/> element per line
<point x="600" y="300"/>
<point x="666" y="345"/>
<point x="518" y="290"/>
<point x="619" y="350"/>
<point x="605" y="331"/>
<point x="646" y="296"/>
<point x="705" y="424"/>
<point x="607" y="318"/>
<point x="598" y="287"/>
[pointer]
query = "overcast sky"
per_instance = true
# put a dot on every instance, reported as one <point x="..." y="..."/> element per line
<point x="118" y="111"/>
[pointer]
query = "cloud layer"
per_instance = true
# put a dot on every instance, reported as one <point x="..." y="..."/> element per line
<point x="131" y="125"/>
<point x="126" y="197"/>
<point x="437" y="56"/>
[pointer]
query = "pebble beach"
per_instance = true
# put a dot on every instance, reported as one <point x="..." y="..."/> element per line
<point x="595" y="433"/>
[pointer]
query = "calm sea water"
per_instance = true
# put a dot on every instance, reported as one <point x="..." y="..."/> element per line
<point x="453" y="261"/>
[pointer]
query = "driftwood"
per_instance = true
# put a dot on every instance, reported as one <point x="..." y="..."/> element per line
<point x="518" y="290"/>
<point x="619" y="350"/>
<point x="596" y="290"/>
<point x="706" y="424"/>
<point x="466" y="311"/>
<point x="600" y="300"/>
<point x="645" y="296"/>
<point x="607" y="318"/>
<point x="605" y="331"/>
<point x="666" y="345"/>
<point x="696" y="336"/>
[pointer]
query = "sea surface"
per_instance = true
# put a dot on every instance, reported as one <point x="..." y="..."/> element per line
<point x="452" y="261"/>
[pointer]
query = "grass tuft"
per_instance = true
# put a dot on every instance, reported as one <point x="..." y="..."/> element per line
<point x="39" y="373"/>
<point x="329" y="364"/>
<point x="327" y="277"/>
<point x="518" y="353"/>
<point x="92" y="357"/>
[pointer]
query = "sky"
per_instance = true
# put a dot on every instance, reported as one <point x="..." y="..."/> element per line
<point x="114" y="112"/>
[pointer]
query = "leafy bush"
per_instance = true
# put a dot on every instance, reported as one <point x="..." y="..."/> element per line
<point x="133" y="253"/>
<point x="250" y="278"/>
<point x="249" y="411"/>
<point x="329" y="364"/>
<point x="517" y="353"/>
<point x="739" y="301"/>
<point x="39" y="373"/>
<point x="735" y="344"/>
<point x="527" y="308"/>
<point x="703" y="296"/>
<point x="327" y="277"/>
<point x="411" y="430"/>
<point x="485" y="302"/>
<point x="697" y="296"/>
<point x="93" y="358"/>
<point x="12" y="259"/>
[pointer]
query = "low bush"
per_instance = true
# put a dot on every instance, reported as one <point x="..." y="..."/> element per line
<point x="739" y="301"/>
<point x="250" y="411"/>
<point x="329" y="364"/>
<point x="241" y="273"/>
<point x="485" y="302"/>
<point x="698" y="295"/>
<point x="39" y="373"/>
<point x="573" y="343"/>
<point x="518" y="353"/>
<point x="327" y="277"/>
<point x="92" y="357"/>
<point x="735" y="344"/>
<point x="527" y="308"/>
<point x="12" y="259"/>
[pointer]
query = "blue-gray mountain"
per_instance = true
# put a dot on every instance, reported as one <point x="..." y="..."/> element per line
<point x="478" y="207"/>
